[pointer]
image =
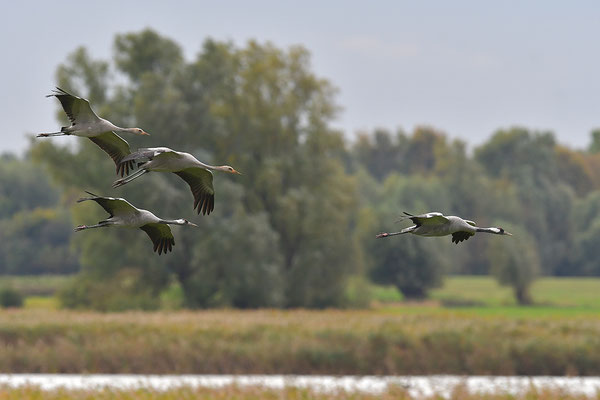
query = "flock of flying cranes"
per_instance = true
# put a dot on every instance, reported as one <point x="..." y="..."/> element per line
<point x="198" y="175"/>
<point x="85" y="123"/>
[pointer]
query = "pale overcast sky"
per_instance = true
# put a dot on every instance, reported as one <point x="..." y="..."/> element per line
<point x="465" y="67"/>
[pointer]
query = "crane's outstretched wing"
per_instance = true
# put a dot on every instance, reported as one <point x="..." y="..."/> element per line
<point x="201" y="184"/>
<point x="149" y="153"/>
<point x="161" y="237"/>
<point x="114" y="206"/>
<point x="117" y="148"/>
<point x="77" y="109"/>
<point x="460" y="236"/>
<point x="432" y="218"/>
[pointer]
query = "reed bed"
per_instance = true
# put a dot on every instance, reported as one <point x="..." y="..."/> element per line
<point x="255" y="393"/>
<point x="415" y="341"/>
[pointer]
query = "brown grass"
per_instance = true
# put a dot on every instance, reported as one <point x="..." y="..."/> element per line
<point x="297" y="342"/>
<point x="255" y="393"/>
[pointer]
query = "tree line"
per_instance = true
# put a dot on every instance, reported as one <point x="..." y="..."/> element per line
<point x="299" y="225"/>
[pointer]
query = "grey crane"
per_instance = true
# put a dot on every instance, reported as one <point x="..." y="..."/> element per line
<point x="123" y="214"/>
<point x="196" y="173"/>
<point x="436" y="224"/>
<point x="85" y="123"/>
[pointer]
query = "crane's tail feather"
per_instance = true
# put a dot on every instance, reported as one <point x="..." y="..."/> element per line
<point x="139" y="154"/>
<point x="404" y="217"/>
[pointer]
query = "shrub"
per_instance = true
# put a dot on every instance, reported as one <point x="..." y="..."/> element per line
<point x="10" y="297"/>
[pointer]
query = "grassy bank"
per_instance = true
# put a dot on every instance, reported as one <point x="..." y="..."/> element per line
<point x="35" y="285"/>
<point x="552" y="291"/>
<point x="486" y="292"/>
<point x="253" y="393"/>
<point x="398" y="340"/>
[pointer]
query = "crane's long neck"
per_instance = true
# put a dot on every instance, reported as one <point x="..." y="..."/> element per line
<point x="489" y="230"/>
<point x="114" y="127"/>
<point x="208" y="166"/>
<point x="118" y="129"/>
<point x="172" y="221"/>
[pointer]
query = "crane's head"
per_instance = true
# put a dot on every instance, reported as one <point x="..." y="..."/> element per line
<point x="186" y="222"/>
<point x="141" y="132"/>
<point x="231" y="170"/>
<point x="179" y="222"/>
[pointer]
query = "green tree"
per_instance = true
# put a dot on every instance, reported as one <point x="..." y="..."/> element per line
<point x="413" y="264"/>
<point x="515" y="262"/>
<point x="36" y="242"/>
<point x="586" y="251"/>
<point x="258" y="108"/>
<point x="530" y="163"/>
<point x="23" y="186"/>
<point x="594" y="147"/>
<point x="34" y="231"/>
<point x="380" y="153"/>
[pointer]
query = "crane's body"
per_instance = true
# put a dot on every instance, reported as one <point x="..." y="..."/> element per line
<point x="124" y="214"/>
<point x="167" y="160"/>
<point x="196" y="173"/>
<point x="135" y="219"/>
<point x="87" y="128"/>
<point x="85" y="123"/>
<point x="436" y="224"/>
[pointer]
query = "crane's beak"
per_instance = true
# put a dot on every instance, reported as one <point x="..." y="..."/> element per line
<point x="192" y="224"/>
<point x="237" y="172"/>
<point x="508" y="233"/>
<point x="144" y="133"/>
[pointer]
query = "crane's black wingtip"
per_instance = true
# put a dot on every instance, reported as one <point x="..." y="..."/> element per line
<point x="124" y="167"/>
<point x="164" y="246"/>
<point x="204" y="204"/>
<point x="57" y="92"/>
<point x="88" y="198"/>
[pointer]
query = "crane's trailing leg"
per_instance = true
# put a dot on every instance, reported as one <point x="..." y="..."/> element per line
<point x="101" y="224"/>
<point x="127" y="179"/>
<point x="52" y="134"/>
<point x="403" y="231"/>
<point x="385" y="234"/>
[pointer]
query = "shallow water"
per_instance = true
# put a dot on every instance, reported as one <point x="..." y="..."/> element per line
<point x="416" y="385"/>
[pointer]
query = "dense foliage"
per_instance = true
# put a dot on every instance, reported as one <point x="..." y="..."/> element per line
<point x="301" y="220"/>
<point x="34" y="228"/>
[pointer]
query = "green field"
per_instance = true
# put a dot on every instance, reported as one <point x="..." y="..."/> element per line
<point x="555" y="292"/>
<point x="562" y="295"/>
<point x="473" y="294"/>
<point x="35" y="285"/>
